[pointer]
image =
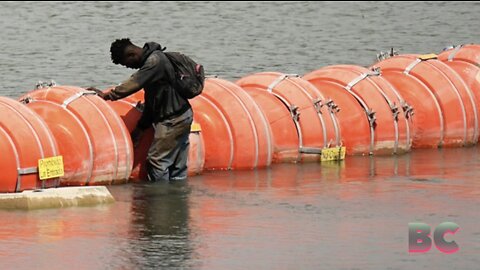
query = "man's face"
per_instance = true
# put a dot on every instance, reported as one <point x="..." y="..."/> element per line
<point x="132" y="58"/>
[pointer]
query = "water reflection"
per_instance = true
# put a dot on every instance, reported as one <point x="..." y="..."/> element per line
<point x="301" y="216"/>
<point x="161" y="221"/>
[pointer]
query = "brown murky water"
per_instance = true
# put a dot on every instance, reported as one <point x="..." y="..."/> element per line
<point x="348" y="215"/>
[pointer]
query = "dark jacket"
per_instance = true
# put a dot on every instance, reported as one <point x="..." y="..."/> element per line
<point x="162" y="102"/>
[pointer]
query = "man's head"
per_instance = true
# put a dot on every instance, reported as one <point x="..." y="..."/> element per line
<point x="125" y="53"/>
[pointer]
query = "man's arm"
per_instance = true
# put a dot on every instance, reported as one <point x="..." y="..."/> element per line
<point x="152" y="69"/>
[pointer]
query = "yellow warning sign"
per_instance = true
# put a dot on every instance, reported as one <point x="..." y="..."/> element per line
<point x="334" y="153"/>
<point x="50" y="167"/>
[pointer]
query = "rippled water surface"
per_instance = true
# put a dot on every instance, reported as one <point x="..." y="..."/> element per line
<point x="349" y="215"/>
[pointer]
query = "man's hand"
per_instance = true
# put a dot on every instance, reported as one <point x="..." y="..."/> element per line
<point x="136" y="135"/>
<point x="99" y="92"/>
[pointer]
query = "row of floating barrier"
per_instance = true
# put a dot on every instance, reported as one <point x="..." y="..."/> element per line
<point x="399" y="103"/>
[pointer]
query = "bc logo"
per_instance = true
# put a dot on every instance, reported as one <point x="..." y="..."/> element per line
<point x="419" y="237"/>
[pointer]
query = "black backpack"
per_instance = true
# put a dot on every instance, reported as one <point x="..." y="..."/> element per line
<point x="189" y="76"/>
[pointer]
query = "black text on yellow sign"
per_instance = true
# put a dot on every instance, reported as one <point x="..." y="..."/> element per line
<point x="334" y="153"/>
<point x="50" y="167"/>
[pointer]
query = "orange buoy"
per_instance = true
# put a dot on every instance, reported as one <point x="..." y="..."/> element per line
<point x="454" y="111"/>
<point x="427" y="121"/>
<point x="75" y="147"/>
<point x="130" y="110"/>
<point x="251" y="134"/>
<point x="350" y="113"/>
<point x="465" y="60"/>
<point x="469" y="53"/>
<point x="372" y="107"/>
<point x="24" y="139"/>
<point x="111" y="145"/>
<point x="315" y="126"/>
<point x="217" y="134"/>
<point x="284" y="133"/>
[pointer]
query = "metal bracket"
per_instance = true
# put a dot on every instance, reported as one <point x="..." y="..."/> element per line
<point x="385" y="55"/>
<point x="42" y="84"/>
<point x="294" y="113"/>
<point x="31" y="170"/>
<point x="318" y="104"/>
<point x="409" y="111"/>
<point x="372" y="119"/>
<point x="26" y="100"/>
<point x="418" y="61"/>
<point x="411" y="66"/>
<point x="395" y="111"/>
<point x="77" y="96"/>
<point x="457" y="48"/>
<point x="332" y="106"/>
<point x="310" y="150"/>
<point x="279" y="80"/>
<point x="362" y="77"/>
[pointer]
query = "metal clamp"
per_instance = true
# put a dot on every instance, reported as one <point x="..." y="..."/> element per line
<point x="310" y="150"/>
<point x="77" y="96"/>
<point x="332" y="106"/>
<point x="385" y="55"/>
<point x="372" y="119"/>
<point x="294" y="113"/>
<point x="408" y="110"/>
<point x="395" y="111"/>
<point x="318" y="104"/>
<point x="456" y="49"/>
<point x="279" y="80"/>
<point x="412" y="65"/>
<point x="30" y="170"/>
<point x="42" y="84"/>
<point x="26" y="100"/>
<point x="362" y="77"/>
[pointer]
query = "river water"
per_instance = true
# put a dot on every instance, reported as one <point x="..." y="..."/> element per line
<point x="348" y="215"/>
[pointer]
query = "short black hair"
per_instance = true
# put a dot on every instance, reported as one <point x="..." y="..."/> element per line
<point x="118" y="48"/>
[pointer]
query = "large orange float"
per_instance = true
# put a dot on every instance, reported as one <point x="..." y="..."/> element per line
<point x="372" y="118"/>
<point x="284" y="133"/>
<point x="465" y="60"/>
<point x="76" y="145"/>
<point x="467" y="53"/>
<point x="110" y="154"/>
<point x="315" y="125"/>
<point x="24" y="139"/>
<point x="252" y="137"/>
<point x="447" y="112"/>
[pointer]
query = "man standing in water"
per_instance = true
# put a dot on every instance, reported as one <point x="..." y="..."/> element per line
<point x="169" y="113"/>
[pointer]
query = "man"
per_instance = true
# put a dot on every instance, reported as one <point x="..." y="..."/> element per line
<point x="169" y="113"/>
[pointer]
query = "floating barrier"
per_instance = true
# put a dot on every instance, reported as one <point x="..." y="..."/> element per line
<point x="102" y="132"/>
<point x="24" y="140"/>
<point x="371" y="116"/>
<point x="251" y="137"/>
<point x="419" y="101"/>
<point x="315" y="126"/>
<point x="451" y="119"/>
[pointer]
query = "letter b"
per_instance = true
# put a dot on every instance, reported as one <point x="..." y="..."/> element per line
<point x="419" y="237"/>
